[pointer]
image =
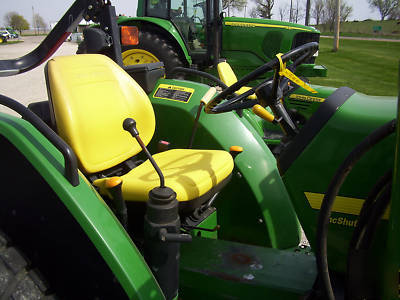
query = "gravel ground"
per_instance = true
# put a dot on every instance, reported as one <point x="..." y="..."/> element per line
<point x="30" y="86"/>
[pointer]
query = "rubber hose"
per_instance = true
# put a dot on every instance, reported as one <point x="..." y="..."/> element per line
<point x="199" y="73"/>
<point x="328" y="201"/>
<point x="366" y="208"/>
<point x="358" y="285"/>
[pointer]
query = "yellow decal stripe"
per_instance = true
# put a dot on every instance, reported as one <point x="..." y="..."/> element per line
<point x="243" y="24"/>
<point x="306" y="98"/>
<point x="345" y="205"/>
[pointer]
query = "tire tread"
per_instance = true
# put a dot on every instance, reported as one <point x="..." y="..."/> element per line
<point x="17" y="280"/>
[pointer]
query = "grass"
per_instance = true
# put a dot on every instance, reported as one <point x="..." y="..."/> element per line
<point x="388" y="28"/>
<point x="370" y="67"/>
<point x="365" y="35"/>
<point x="34" y="34"/>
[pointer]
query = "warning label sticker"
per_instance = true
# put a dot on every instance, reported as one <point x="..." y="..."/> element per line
<point x="174" y="93"/>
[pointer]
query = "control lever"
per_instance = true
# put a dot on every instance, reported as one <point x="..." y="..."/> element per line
<point x="130" y="126"/>
<point x="162" y="224"/>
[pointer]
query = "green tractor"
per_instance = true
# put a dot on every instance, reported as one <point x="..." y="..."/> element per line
<point x="196" y="33"/>
<point x="90" y="213"/>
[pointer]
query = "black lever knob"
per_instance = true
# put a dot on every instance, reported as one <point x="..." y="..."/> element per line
<point x="129" y="125"/>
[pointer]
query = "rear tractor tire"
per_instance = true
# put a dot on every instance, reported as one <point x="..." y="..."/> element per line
<point x="152" y="48"/>
<point x="16" y="280"/>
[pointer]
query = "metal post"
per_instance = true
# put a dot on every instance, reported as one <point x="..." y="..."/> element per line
<point x="291" y="11"/>
<point x="337" y="28"/>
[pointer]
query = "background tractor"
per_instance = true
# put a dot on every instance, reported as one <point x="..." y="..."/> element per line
<point x="196" y="33"/>
<point x="332" y="174"/>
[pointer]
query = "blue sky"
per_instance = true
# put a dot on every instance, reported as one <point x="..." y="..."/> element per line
<point x="52" y="10"/>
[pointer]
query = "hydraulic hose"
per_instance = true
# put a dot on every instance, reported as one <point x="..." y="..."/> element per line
<point x="188" y="71"/>
<point x="358" y="285"/>
<point x="368" y="206"/>
<point x="325" y="212"/>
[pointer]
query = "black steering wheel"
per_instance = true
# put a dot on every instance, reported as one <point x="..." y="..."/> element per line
<point x="224" y="101"/>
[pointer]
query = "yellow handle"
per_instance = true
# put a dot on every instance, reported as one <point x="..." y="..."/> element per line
<point x="236" y="149"/>
<point x="263" y="113"/>
<point x="112" y="182"/>
<point x="209" y="95"/>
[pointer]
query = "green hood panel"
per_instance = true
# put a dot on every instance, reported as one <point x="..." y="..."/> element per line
<point x="266" y="23"/>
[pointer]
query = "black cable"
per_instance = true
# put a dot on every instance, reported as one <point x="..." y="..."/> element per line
<point x="328" y="201"/>
<point x="199" y="73"/>
<point x="358" y="283"/>
<point x="195" y="125"/>
<point x="366" y="208"/>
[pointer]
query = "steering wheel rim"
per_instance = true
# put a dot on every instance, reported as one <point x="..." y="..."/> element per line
<point x="216" y="105"/>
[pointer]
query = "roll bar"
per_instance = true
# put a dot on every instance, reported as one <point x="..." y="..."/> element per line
<point x="98" y="11"/>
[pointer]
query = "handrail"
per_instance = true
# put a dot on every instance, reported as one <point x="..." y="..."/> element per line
<point x="71" y="163"/>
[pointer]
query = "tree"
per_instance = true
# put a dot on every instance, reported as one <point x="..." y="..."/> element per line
<point x="345" y="12"/>
<point x="395" y="14"/>
<point x="385" y="7"/>
<point x="263" y="9"/>
<point x="283" y="10"/>
<point x="16" y="21"/>
<point x="39" y="23"/>
<point x="297" y="12"/>
<point x="330" y="12"/>
<point x="233" y="4"/>
<point x="317" y="11"/>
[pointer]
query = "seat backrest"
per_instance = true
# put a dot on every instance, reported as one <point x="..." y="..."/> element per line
<point x="90" y="96"/>
<point x="226" y="73"/>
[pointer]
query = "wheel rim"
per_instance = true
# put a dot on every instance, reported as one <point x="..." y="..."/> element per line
<point x="138" y="56"/>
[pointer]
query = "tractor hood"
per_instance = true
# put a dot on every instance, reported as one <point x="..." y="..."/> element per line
<point x="266" y="23"/>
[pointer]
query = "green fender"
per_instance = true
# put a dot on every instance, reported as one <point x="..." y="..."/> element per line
<point x="164" y="24"/>
<point x="87" y="207"/>
<point x="254" y="207"/>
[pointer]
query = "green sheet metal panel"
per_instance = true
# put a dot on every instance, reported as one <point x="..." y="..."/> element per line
<point x="216" y="269"/>
<point x="310" y="173"/>
<point x="87" y="207"/>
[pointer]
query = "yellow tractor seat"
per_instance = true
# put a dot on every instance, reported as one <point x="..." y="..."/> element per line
<point x="190" y="173"/>
<point x="228" y="77"/>
<point x="90" y="97"/>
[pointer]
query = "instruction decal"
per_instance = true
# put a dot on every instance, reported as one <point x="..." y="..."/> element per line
<point x="174" y="93"/>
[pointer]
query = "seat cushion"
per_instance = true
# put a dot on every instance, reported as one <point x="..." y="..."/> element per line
<point x="190" y="173"/>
